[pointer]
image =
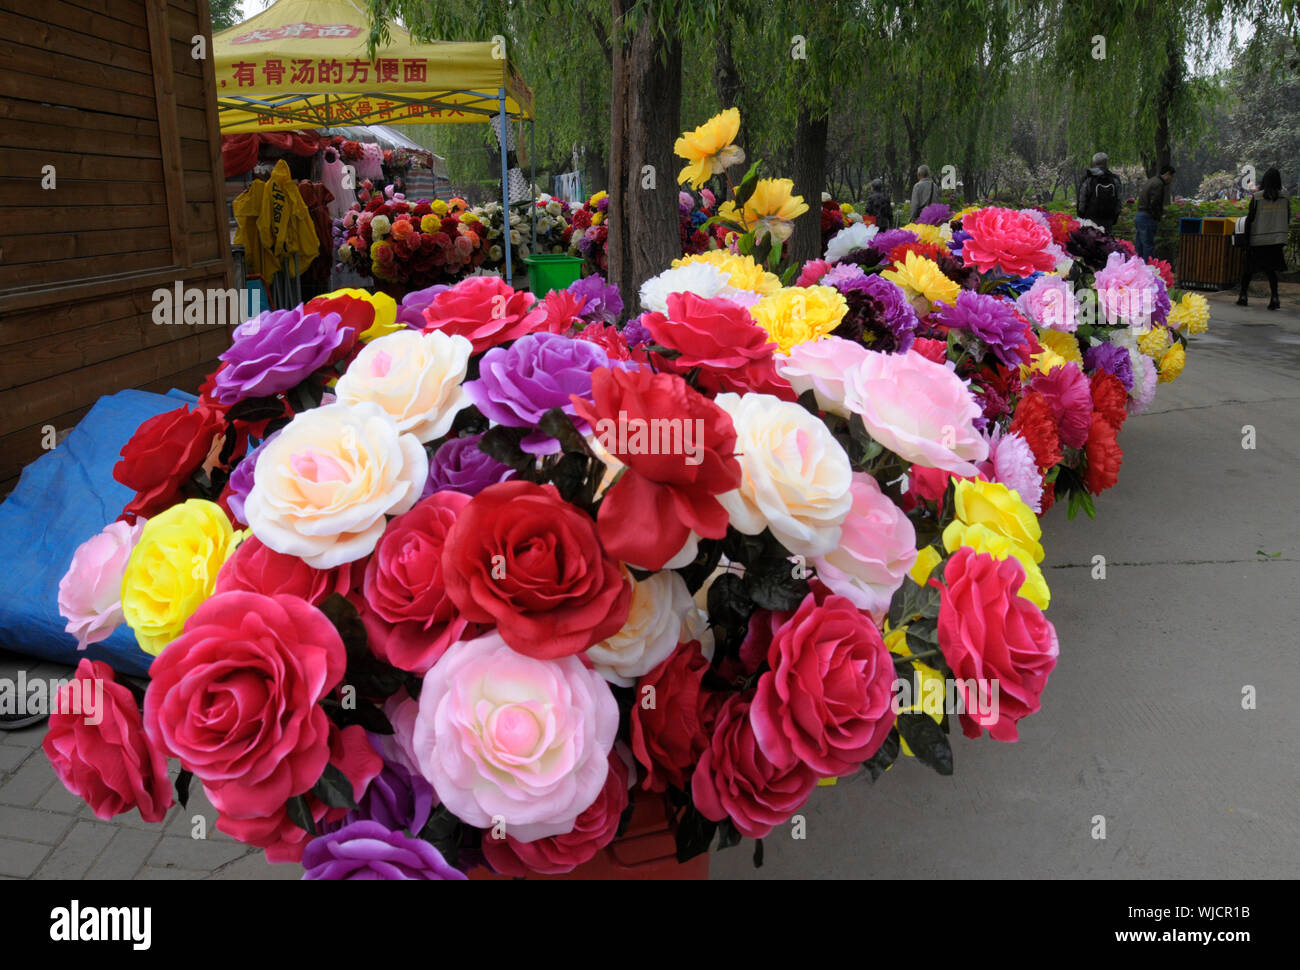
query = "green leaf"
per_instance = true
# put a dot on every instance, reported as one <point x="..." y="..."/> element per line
<point x="299" y="813"/>
<point x="694" y="833"/>
<point x="366" y="714"/>
<point x="334" y="789"/>
<point x="502" y="443"/>
<point x="183" y="787"/>
<point x="758" y="853"/>
<point x="747" y="184"/>
<point x="559" y="425"/>
<point x="728" y="834"/>
<point x="927" y="741"/>
<point x="879" y="762"/>
<point x="347" y="621"/>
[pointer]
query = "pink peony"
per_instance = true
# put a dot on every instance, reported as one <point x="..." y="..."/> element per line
<point x="90" y="592"/>
<point x="876" y="550"/>
<point x="1011" y="461"/>
<point x="505" y="738"/>
<point x="812" y="272"/>
<point x="1070" y="396"/>
<point x="1126" y="291"/>
<point x="1051" y="303"/>
<point x="1008" y="241"/>
<point x="821" y="366"/>
<point x="919" y="410"/>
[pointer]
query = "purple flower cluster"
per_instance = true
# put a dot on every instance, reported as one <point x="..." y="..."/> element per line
<point x="990" y="319"/>
<point x="368" y="850"/>
<point x="934" y="214"/>
<point x="883" y="242"/>
<point x="275" y="351"/>
<point x="460" y="465"/>
<point x="603" y="303"/>
<point x="1111" y="358"/>
<point x="636" y="334"/>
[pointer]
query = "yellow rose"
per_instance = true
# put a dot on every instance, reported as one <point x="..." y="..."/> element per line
<point x="999" y="508"/>
<point x="926" y="560"/>
<point x="798" y="314"/>
<point x="173" y="569"/>
<point x="981" y="538"/>
<point x="430" y="223"/>
<point x="439" y="208"/>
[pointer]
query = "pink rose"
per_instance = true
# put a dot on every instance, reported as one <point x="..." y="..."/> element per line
<point x="919" y="410"/>
<point x="826" y="702"/>
<point x="100" y="752"/>
<point x="735" y="779"/>
<point x="821" y="366"/>
<point x="257" y="568"/>
<point x="235" y="698"/>
<point x="877" y="548"/>
<point x="505" y="737"/>
<point x="999" y="645"/>
<point x="90" y="592"/>
<point x="409" y="618"/>
<point x="486" y="311"/>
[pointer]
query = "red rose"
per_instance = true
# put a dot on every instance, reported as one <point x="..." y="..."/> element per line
<point x="665" y="492"/>
<point x="715" y="334"/>
<point x="669" y="736"/>
<point x="1103" y="453"/>
<point x="409" y="619"/>
<point x="98" y="748"/>
<point x="486" y="310"/>
<point x="935" y="350"/>
<point x="594" y="829"/>
<point x="827" y="699"/>
<point x="283" y="839"/>
<point x="1036" y="423"/>
<point x="521" y="557"/>
<point x="994" y="640"/>
<point x="235" y="698"/>
<point x="161" y="456"/>
<point x="257" y="568"/>
<point x="735" y="780"/>
<point x="1109" y="398"/>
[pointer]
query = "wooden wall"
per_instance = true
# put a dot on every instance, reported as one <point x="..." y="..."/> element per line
<point x="108" y="92"/>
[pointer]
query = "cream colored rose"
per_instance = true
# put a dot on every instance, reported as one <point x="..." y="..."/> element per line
<point x="415" y="377"/>
<point x="795" y="477"/>
<point x="660" y="604"/>
<point x="323" y="487"/>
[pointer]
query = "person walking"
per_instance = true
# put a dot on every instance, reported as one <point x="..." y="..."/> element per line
<point x="879" y="207"/>
<point x="1151" y="206"/>
<point x="1098" y="195"/>
<point x="1267" y="224"/>
<point x="924" y="192"/>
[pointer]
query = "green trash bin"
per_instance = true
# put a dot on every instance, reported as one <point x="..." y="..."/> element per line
<point x="552" y="271"/>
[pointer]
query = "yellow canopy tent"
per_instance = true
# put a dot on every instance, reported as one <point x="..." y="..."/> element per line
<point x="303" y="64"/>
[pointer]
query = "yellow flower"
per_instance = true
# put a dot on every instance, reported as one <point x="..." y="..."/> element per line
<point x="798" y="314"/>
<point x="709" y="148"/>
<point x="999" y="508"/>
<point x="846" y="208"/>
<point x="771" y="209"/>
<point x="981" y="538"/>
<point x="468" y="217"/>
<point x="430" y="223"/>
<point x="1191" y="313"/>
<point x="439" y="207"/>
<point x="1171" y="364"/>
<point x="1063" y="345"/>
<point x="595" y="199"/>
<point x="173" y="569"/>
<point x="1154" y="342"/>
<point x="965" y="212"/>
<point x="926" y="560"/>
<point x="744" y="273"/>
<point x="385" y="307"/>
<point x="922" y="277"/>
<point x="931" y="696"/>
<point x="1043" y="362"/>
<point x="932" y="235"/>
<point x="597" y="218"/>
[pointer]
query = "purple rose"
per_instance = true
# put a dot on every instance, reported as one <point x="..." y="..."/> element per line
<point x="520" y="383"/>
<point x="395" y="798"/>
<point x="1111" y="358"/>
<point x="459" y="465"/>
<point x="604" y="304"/>
<point x="411" y="310"/>
<point x="368" y="850"/>
<point x="991" y="320"/>
<point x="275" y="351"/>
<point x="241" y="481"/>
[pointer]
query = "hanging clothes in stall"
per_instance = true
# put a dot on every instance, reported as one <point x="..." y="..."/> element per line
<point x="334" y="176"/>
<point x="317" y="197"/>
<point x="284" y="225"/>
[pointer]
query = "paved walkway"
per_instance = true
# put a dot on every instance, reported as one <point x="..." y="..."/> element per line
<point x="1143" y="723"/>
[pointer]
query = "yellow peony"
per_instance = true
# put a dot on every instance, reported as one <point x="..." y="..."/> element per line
<point x="385" y="306"/>
<point x="846" y="209"/>
<point x="596" y="199"/>
<point x="467" y="217"/>
<point x="1063" y="345"/>
<point x="1191" y="313"/>
<point x="1171" y="364"/>
<point x="922" y="277"/>
<point x="997" y="507"/>
<point x="932" y="235"/>
<point x="430" y="223"/>
<point x="173" y="569"/>
<point x="1154" y="342"/>
<point x="981" y="538"/>
<point x="771" y="209"/>
<point x="709" y="148"/>
<point x="743" y="272"/>
<point x="926" y="560"/>
<point x="798" y="314"/>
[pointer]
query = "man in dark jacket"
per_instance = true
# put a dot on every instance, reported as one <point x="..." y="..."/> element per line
<point x="879" y="207"/>
<point x="1151" y="206"/>
<point x="1099" y="193"/>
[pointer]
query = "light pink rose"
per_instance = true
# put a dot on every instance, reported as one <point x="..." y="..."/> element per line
<point x="919" y="410"/>
<point x="507" y="738"/>
<point x="821" y="366"/>
<point x="90" y="592"/>
<point x="876" y="550"/>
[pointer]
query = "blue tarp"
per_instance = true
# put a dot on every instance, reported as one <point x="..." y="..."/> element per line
<point x="62" y="499"/>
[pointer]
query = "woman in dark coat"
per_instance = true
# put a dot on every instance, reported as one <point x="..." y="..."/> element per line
<point x="1267" y="225"/>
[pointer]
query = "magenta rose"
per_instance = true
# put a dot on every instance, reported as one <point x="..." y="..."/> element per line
<point x="235" y="698"/>
<point x="257" y="568"/>
<point x="735" y="779"/>
<point x="97" y="745"/>
<point x="826" y="702"/>
<point x="409" y="618"/>
<point x="999" y="645"/>
<point x="486" y="311"/>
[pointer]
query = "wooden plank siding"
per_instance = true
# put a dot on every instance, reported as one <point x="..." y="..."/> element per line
<point x="110" y="94"/>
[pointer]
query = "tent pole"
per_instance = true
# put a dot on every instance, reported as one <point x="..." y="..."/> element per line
<point x="505" y="186"/>
<point x="532" y="160"/>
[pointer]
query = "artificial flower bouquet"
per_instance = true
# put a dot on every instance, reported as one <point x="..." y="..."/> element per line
<point x="588" y="235"/>
<point x="406" y="246"/>
<point x="454" y="583"/>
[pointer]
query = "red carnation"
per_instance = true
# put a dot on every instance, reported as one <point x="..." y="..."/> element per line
<point x="1036" y="423"/>
<point x="1109" y="398"/>
<point x="1104" y="455"/>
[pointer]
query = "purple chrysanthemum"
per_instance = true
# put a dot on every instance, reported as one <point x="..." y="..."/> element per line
<point x="991" y="320"/>
<point x="604" y="304"/>
<point x="934" y="214"/>
<point x="1111" y="358"/>
<point x="635" y="333"/>
<point x="887" y="240"/>
<point x="845" y="277"/>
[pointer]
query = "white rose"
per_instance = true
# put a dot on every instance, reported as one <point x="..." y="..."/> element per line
<point x="326" y="483"/>
<point x="660" y="605"/>
<point x="415" y="377"/>
<point x="795" y="477"/>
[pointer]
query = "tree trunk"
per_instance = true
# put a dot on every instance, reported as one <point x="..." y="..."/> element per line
<point x="1171" y="81"/>
<point x="809" y="181"/>
<point x="726" y="76"/>
<point x="645" y="120"/>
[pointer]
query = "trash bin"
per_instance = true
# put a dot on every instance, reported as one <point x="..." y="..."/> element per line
<point x="552" y="271"/>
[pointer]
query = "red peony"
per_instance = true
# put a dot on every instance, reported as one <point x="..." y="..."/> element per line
<point x="716" y="335"/>
<point x="1036" y="423"/>
<point x="98" y="748"/>
<point x="522" y="558"/>
<point x="1109" y="398"/>
<point x="1104" y="455"/>
<point x="669" y="735"/>
<point x="665" y="491"/>
<point x="161" y="456"/>
<point x="998" y="644"/>
<point x="486" y="310"/>
<point x="562" y="309"/>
